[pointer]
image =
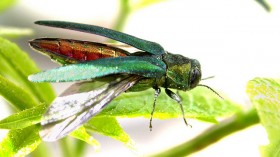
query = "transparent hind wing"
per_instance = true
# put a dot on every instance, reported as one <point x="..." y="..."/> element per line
<point x="70" y="110"/>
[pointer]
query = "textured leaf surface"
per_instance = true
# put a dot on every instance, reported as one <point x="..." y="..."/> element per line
<point x="109" y="126"/>
<point x="20" y="142"/>
<point x="265" y="95"/>
<point x="82" y="134"/>
<point x="198" y="103"/>
<point x="23" y="118"/>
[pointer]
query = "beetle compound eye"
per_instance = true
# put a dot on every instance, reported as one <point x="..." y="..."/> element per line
<point x="195" y="76"/>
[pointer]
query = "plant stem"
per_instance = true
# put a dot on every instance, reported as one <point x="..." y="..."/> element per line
<point x="123" y="15"/>
<point x="80" y="147"/>
<point x="40" y="151"/>
<point x="236" y="123"/>
<point x="264" y="4"/>
<point x="66" y="148"/>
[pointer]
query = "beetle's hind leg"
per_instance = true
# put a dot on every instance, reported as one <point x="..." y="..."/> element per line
<point x="177" y="98"/>
<point x="157" y="92"/>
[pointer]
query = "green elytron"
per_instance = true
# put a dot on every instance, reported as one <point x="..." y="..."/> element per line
<point x="150" y="67"/>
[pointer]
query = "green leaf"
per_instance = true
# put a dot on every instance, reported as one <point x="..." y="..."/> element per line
<point x="102" y="125"/>
<point x="198" y="103"/>
<point x="20" y="142"/>
<point x="15" y="95"/>
<point x="265" y="95"/>
<point x="16" y="89"/>
<point x="4" y="4"/>
<point x="109" y="126"/>
<point x="264" y="4"/>
<point x="24" y="118"/>
<point x="16" y="66"/>
<point x="82" y="134"/>
<point x="13" y="32"/>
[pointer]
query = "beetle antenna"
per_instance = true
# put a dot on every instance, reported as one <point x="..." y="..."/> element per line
<point x="209" y="77"/>
<point x="211" y="90"/>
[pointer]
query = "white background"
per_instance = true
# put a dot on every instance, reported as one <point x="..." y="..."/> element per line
<point x="235" y="40"/>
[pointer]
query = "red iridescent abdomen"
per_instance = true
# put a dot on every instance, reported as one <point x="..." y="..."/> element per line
<point x="75" y="49"/>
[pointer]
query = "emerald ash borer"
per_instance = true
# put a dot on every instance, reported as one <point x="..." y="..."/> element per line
<point x="84" y="61"/>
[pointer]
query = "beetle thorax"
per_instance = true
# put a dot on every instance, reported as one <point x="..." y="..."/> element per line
<point x="179" y="71"/>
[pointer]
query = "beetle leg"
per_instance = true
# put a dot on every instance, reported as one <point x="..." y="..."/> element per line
<point x="157" y="92"/>
<point x="177" y="98"/>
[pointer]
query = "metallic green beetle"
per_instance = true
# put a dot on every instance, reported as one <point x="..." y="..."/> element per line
<point x="151" y="67"/>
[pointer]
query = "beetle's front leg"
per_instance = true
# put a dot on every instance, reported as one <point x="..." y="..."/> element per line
<point x="177" y="98"/>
